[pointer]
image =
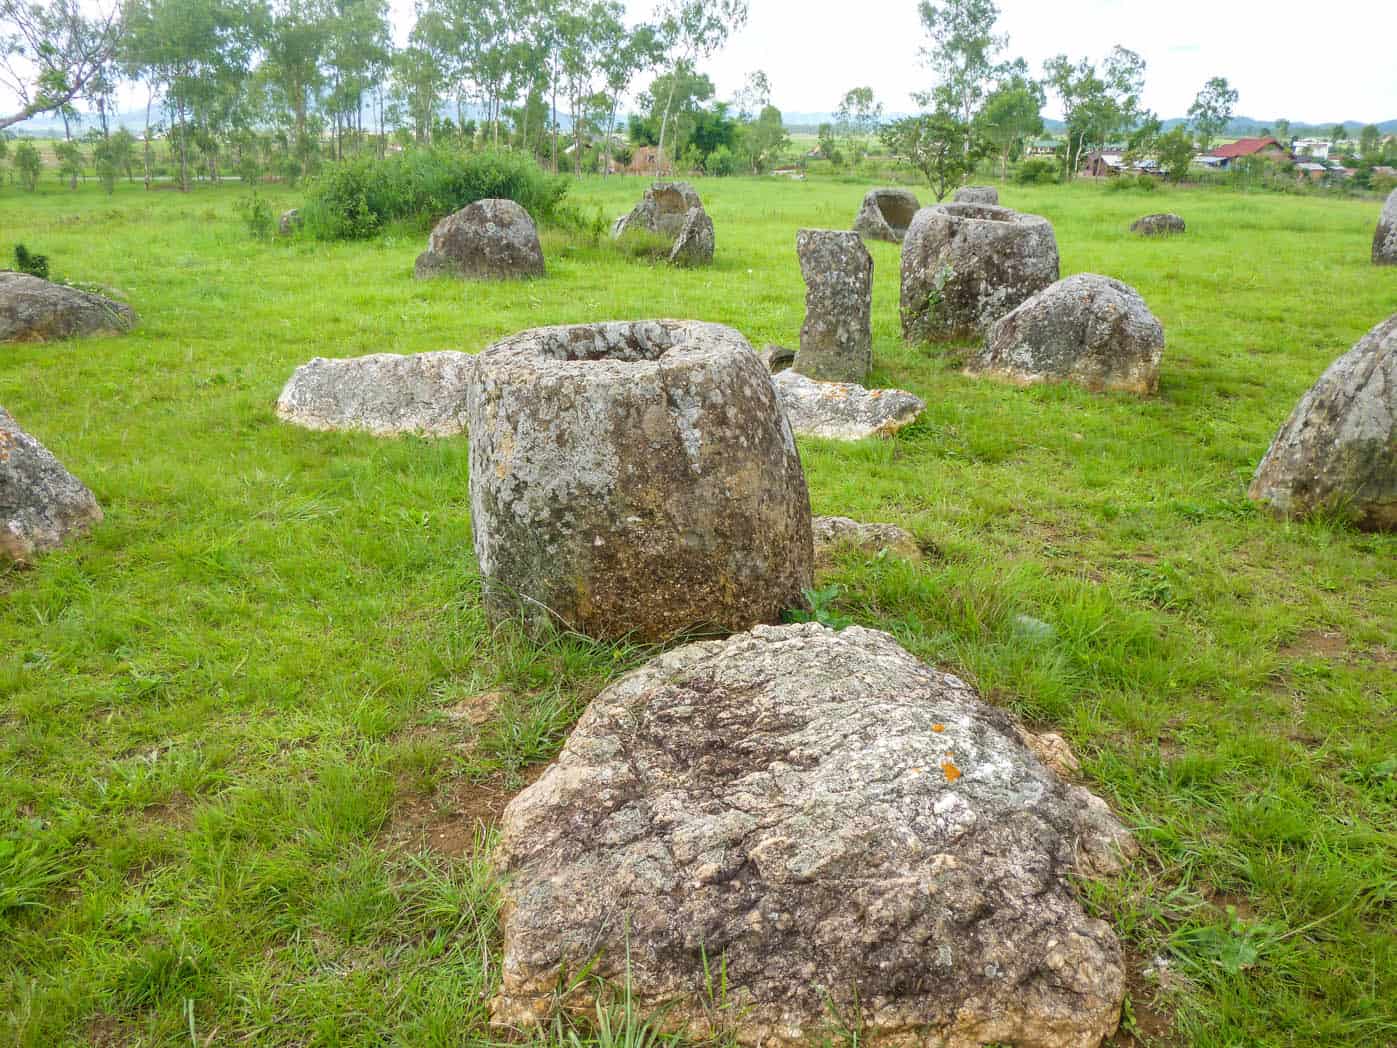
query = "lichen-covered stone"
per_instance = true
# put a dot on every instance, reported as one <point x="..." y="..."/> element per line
<point x="886" y="213"/>
<point x="487" y="240"/>
<point x="635" y="479"/>
<point x="966" y="265"/>
<point x="1161" y="225"/>
<point x="42" y="505"/>
<point x="1087" y="329"/>
<point x="844" y="410"/>
<point x="836" y="340"/>
<point x="35" y="310"/>
<point x="833" y="534"/>
<point x="1385" y="236"/>
<point x="383" y="393"/>
<point x="694" y="244"/>
<point x="777" y="358"/>
<point x="1338" y="450"/>
<point x="290" y="221"/>
<point x="976" y="195"/>
<point x="846" y="834"/>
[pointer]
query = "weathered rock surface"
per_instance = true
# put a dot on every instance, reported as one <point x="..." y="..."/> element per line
<point x="289" y="222"/>
<point x="886" y="213"/>
<point x="488" y="240"/>
<point x="1087" y="329"/>
<point x="1385" y="236"/>
<point x="852" y="835"/>
<point x="1338" y="449"/>
<point x="843" y="410"/>
<point x="976" y="195"/>
<point x="835" y="533"/>
<point x="383" y="393"/>
<point x="694" y="244"/>
<point x="664" y="209"/>
<point x="35" y="310"/>
<point x="42" y="505"/>
<point x="635" y="479"/>
<point x="1161" y="225"/>
<point x="777" y="358"/>
<point x="966" y="265"/>
<point x="836" y="340"/>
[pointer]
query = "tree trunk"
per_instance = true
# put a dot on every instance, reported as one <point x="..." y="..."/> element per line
<point x="149" y="98"/>
<point x="664" y="122"/>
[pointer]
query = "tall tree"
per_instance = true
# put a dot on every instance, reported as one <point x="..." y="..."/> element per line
<point x="1370" y="142"/>
<point x="938" y="145"/>
<point x="1211" y="111"/>
<point x="963" y="53"/>
<point x="1011" y="114"/>
<point x="858" y="116"/>
<point x="52" y="51"/>
<point x="694" y="29"/>
<point x="639" y="50"/>
<point x="1098" y="105"/>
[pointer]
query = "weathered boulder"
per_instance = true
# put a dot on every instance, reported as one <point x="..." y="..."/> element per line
<point x="42" y="505"/>
<point x="1161" y="225"/>
<point x="843" y="410"/>
<point x="777" y="358"/>
<point x="289" y="222"/>
<point x="1338" y="449"/>
<point x="836" y="533"/>
<point x="35" y="310"/>
<point x="1385" y="236"/>
<point x="976" y="195"/>
<point x="850" y="836"/>
<point x="635" y="479"/>
<point x="694" y="244"/>
<point x="488" y="240"/>
<point x="836" y="340"/>
<point x="664" y="209"/>
<point x="966" y="265"/>
<point x="1087" y="329"/>
<point x="383" y="393"/>
<point x="886" y="213"/>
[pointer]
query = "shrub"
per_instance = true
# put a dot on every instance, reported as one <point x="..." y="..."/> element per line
<point x="1036" y="171"/>
<point x="357" y="198"/>
<point x="28" y="164"/>
<point x="257" y="216"/>
<point x="34" y="265"/>
<point x="720" y="162"/>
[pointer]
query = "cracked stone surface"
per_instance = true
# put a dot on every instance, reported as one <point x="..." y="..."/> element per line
<point x="1385" y="236"/>
<point x="42" y="505"/>
<point x="966" y="265"/>
<point x="1338" y="449"/>
<point x="1088" y="329"/>
<point x="844" y="410"/>
<point x="976" y="195"/>
<point x="835" y="533"/>
<point x="694" y="244"/>
<point x="383" y="393"/>
<point x="843" y="827"/>
<point x="35" y="310"/>
<point x="635" y="479"/>
<point x="836" y="339"/>
<point x="886" y="213"/>
<point x="672" y="210"/>
<point x="1160" y="225"/>
<point x="488" y="240"/>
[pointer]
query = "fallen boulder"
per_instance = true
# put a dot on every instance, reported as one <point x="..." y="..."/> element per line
<point x="843" y="410"/>
<point x="1161" y="225"/>
<point x="42" y="505"/>
<point x="694" y="244"/>
<point x="852" y="838"/>
<point x="836" y="339"/>
<point x="836" y="533"/>
<point x="886" y="213"/>
<point x="35" y="310"/>
<point x="1385" y="236"/>
<point x="966" y="265"/>
<point x="487" y="240"/>
<point x="1338" y="450"/>
<point x="385" y="394"/>
<point x="976" y="195"/>
<point x="1087" y="329"/>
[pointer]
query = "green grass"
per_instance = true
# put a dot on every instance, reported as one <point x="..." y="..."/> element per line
<point x="231" y="728"/>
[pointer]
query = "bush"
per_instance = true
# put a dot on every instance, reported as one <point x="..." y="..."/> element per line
<point x="1036" y="171"/>
<point x="720" y="162"/>
<point x="257" y="216"/>
<point x="1124" y="182"/>
<point x="357" y="198"/>
<point x="34" y="265"/>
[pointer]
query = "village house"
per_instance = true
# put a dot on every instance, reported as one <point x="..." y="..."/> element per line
<point x="1265" y="148"/>
<point x="646" y="161"/>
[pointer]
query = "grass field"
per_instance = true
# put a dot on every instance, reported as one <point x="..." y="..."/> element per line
<point x="254" y="730"/>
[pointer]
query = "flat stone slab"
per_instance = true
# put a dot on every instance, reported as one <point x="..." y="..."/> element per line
<point x="42" y="505"/>
<point x="840" y="829"/>
<point x="386" y="394"/>
<point x="35" y="310"/>
<point x="842" y="410"/>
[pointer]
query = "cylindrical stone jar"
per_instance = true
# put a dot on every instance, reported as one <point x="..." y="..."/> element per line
<point x="966" y="265"/>
<point x="635" y="479"/>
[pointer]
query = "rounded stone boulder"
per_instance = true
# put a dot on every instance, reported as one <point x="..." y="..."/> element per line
<point x="886" y="213"/>
<point x="635" y="479"/>
<point x="42" y="505"/>
<point x="976" y="195"/>
<point x="1161" y="225"/>
<point x="851" y="837"/>
<point x="36" y="310"/>
<point x="1088" y="329"/>
<point x="1385" y="236"/>
<point x="966" y="265"/>
<point x="488" y="240"/>
<point x="1338" y="450"/>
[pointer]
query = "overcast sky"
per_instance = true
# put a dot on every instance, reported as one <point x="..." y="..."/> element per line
<point x="1316" y="61"/>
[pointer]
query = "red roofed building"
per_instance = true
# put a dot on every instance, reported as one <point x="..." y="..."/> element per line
<point x="1266" y="148"/>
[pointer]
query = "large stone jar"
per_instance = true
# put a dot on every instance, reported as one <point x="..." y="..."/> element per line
<point x="966" y="265"/>
<point x="635" y="480"/>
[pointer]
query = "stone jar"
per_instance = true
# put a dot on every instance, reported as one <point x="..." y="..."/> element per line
<point x="635" y="479"/>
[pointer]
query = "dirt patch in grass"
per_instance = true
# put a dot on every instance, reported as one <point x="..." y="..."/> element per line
<point x="450" y="822"/>
<point x="1325" y="644"/>
<point x="1147" y="1021"/>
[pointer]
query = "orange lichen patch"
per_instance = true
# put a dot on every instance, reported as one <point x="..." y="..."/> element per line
<point x="938" y="727"/>
<point x="951" y="772"/>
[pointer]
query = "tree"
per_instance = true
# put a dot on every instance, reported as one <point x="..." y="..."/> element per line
<point x="28" y="165"/>
<point x="962" y="54"/>
<point x="754" y="96"/>
<point x="1370" y="142"/>
<point x="1338" y="134"/>
<point x="640" y="49"/>
<point x="765" y="137"/>
<point x="1211" y="111"/>
<point x="829" y="147"/>
<point x="938" y="145"/>
<point x="52" y="51"/>
<point x="694" y="30"/>
<point x="1283" y="131"/>
<point x="1174" y="151"/>
<point x="1012" y="113"/>
<point x="858" y="116"/>
<point x="70" y="160"/>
